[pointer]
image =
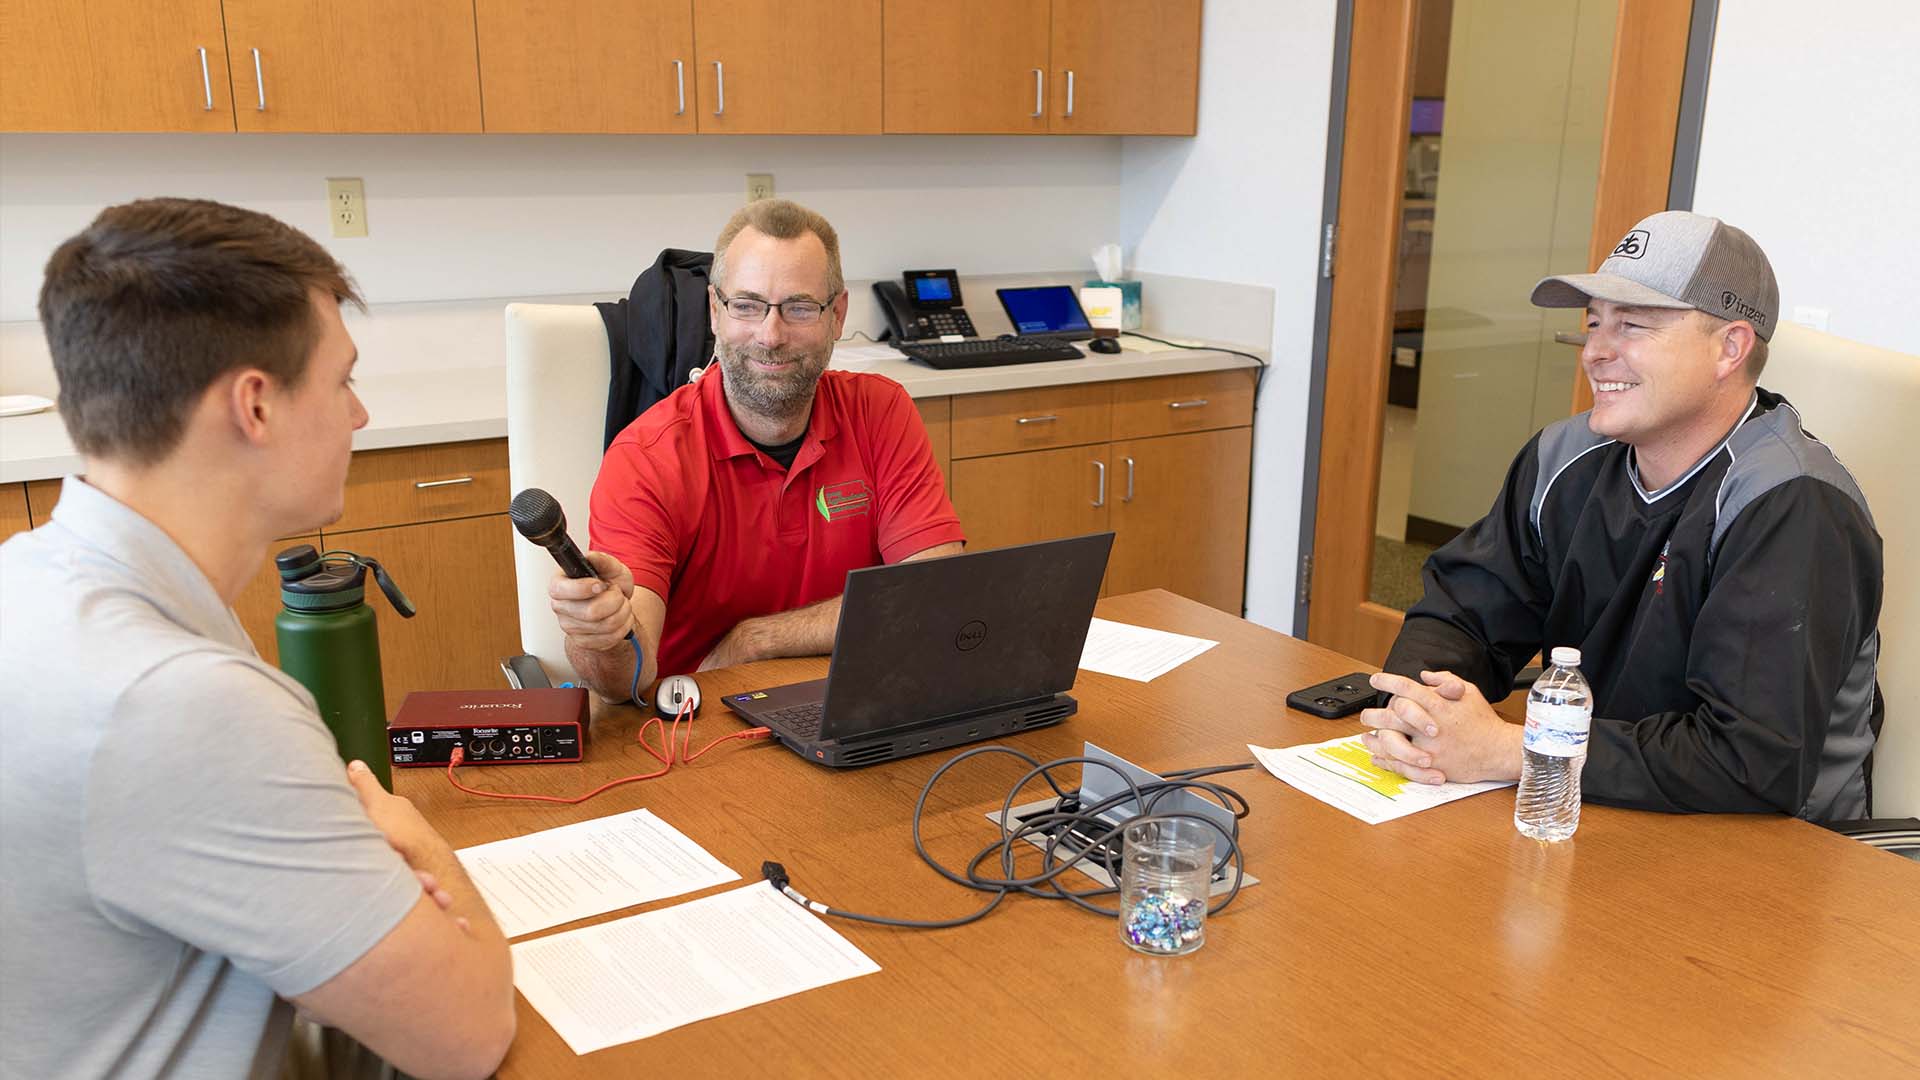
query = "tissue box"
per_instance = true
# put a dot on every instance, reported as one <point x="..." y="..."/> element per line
<point x="1129" y="301"/>
<point x="1102" y="303"/>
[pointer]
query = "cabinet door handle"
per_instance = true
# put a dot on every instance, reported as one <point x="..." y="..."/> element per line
<point x="680" y="86"/>
<point x="1069" y="91"/>
<point x="1128" y="497"/>
<point x="1100" y="494"/>
<point x="1025" y="420"/>
<point x="206" y="80"/>
<point x="422" y="485"/>
<point x="259" y="83"/>
<point x="1039" y="92"/>
<point x="719" y="88"/>
<point x="1195" y="403"/>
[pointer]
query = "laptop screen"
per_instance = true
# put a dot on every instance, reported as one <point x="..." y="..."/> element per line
<point x="1044" y="309"/>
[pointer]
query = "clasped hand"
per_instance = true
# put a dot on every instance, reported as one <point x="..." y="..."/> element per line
<point x="1438" y="729"/>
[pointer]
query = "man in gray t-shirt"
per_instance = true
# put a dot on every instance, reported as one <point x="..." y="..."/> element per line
<point x="185" y="858"/>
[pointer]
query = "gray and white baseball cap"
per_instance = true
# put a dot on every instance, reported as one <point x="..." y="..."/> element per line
<point x="1677" y="259"/>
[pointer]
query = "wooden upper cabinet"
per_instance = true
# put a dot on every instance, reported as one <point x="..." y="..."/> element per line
<point x="113" y="65"/>
<point x="788" y="67"/>
<point x="1125" y="67"/>
<point x="973" y="68"/>
<point x="354" y="65"/>
<point x="593" y="66"/>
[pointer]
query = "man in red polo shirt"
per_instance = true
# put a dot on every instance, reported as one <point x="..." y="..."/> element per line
<point x="725" y="518"/>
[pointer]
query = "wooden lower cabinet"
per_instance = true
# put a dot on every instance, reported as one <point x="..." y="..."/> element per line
<point x="937" y="416"/>
<point x="13" y="510"/>
<point x="459" y="574"/>
<point x="260" y="601"/>
<point x="1175" y="499"/>
<point x="1183" y="526"/>
<point x="42" y="495"/>
<point x="1019" y="498"/>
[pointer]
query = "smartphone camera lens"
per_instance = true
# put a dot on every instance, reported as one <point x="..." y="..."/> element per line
<point x="1327" y="701"/>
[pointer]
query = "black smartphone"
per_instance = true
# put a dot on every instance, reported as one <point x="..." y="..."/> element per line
<point x="1335" y="698"/>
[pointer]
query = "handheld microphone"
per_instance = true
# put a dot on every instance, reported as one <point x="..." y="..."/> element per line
<point x="537" y="516"/>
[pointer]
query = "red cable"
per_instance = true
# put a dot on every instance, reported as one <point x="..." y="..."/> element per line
<point x="666" y="760"/>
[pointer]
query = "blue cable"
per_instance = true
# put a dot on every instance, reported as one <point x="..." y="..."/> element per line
<point x="633" y="692"/>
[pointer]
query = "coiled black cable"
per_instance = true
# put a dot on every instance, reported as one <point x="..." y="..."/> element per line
<point x="1082" y="821"/>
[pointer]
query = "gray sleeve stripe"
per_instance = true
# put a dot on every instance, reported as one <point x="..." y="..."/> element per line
<point x="1855" y="492"/>
<point x="1769" y="451"/>
<point x="1560" y="440"/>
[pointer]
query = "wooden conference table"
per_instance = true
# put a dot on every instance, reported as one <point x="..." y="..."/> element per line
<point x="1442" y="944"/>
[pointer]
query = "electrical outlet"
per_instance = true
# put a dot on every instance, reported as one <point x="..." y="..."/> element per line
<point x="347" y="206"/>
<point x="1812" y="317"/>
<point x="759" y="186"/>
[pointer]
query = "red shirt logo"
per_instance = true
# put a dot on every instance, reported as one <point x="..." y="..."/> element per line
<point x="847" y="499"/>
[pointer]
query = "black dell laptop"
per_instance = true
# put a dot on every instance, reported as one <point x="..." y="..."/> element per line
<point x="942" y="652"/>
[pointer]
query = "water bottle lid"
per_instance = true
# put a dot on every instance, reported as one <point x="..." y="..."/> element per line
<point x="1566" y="656"/>
<point x="296" y="562"/>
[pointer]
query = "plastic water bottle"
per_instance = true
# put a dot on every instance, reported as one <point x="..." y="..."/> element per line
<point x="1559" y="716"/>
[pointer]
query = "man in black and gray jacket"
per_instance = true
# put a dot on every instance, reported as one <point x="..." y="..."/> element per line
<point x="1714" y="563"/>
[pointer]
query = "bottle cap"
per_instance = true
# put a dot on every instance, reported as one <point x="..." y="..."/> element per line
<point x="1566" y="656"/>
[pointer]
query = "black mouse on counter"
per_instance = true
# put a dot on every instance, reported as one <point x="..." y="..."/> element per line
<point x="1108" y="345"/>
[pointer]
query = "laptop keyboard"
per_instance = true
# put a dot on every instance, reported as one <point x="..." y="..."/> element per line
<point x="799" y="720"/>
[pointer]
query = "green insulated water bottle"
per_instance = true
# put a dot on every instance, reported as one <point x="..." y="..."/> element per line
<point x="328" y="641"/>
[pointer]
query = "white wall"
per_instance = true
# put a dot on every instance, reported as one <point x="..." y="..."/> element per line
<point x="511" y="215"/>
<point x="1811" y="143"/>
<point x="1241" y="201"/>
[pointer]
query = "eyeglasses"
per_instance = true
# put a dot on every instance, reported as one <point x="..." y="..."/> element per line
<point x="795" y="312"/>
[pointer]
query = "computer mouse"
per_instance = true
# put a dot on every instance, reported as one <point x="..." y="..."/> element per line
<point x="1107" y="345"/>
<point x="673" y="693"/>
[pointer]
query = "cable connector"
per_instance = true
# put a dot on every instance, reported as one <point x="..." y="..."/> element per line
<point x="459" y="755"/>
<point x="775" y="874"/>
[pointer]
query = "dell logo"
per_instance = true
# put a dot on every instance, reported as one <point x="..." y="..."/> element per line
<point x="970" y="636"/>
<point x="1632" y="246"/>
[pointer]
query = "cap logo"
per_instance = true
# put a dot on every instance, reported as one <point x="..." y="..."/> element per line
<point x="1730" y="302"/>
<point x="1632" y="246"/>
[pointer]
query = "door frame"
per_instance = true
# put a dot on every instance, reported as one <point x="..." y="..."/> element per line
<point x="1651" y="66"/>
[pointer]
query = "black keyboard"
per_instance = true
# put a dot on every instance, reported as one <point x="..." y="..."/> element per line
<point x="802" y="721"/>
<point x="984" y="353"/>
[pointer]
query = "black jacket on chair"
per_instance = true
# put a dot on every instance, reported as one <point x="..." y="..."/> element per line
<point x="657" y="335"/>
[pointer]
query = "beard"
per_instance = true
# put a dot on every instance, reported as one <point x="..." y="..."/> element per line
<point x="776" y="395"/>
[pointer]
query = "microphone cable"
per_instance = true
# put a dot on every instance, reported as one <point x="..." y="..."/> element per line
<point x="673" y="754"/>
<point x="1083" y="823"/>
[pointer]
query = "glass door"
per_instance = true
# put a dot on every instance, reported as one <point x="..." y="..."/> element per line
<point x="1481" y="138"/>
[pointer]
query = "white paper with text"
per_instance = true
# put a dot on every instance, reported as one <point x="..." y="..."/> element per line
<point x="558" y="875"/>
<point x="610" y="984"/>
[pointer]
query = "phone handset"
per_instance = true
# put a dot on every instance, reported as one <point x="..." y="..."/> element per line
<point x="924" y="305"/>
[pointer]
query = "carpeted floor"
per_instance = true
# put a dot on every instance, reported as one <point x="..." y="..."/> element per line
<point x="1396" y="572"/>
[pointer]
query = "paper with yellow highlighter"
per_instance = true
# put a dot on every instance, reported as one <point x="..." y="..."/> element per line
<point x="1340" y="772"/>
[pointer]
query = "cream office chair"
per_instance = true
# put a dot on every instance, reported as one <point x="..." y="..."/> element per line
<point x="557" y="378"/>
<point x="1859" y="400"/>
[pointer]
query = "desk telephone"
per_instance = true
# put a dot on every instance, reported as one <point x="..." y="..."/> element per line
<point x="924" y="305"/>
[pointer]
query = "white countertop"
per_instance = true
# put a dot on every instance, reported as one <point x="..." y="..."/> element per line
<point x="436" y="372"/>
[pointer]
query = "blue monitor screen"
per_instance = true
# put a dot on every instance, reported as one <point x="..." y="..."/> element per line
<point x="1046" y="309"/>
<point x="932" y="288"/>
<point x="1426" y="116"/>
